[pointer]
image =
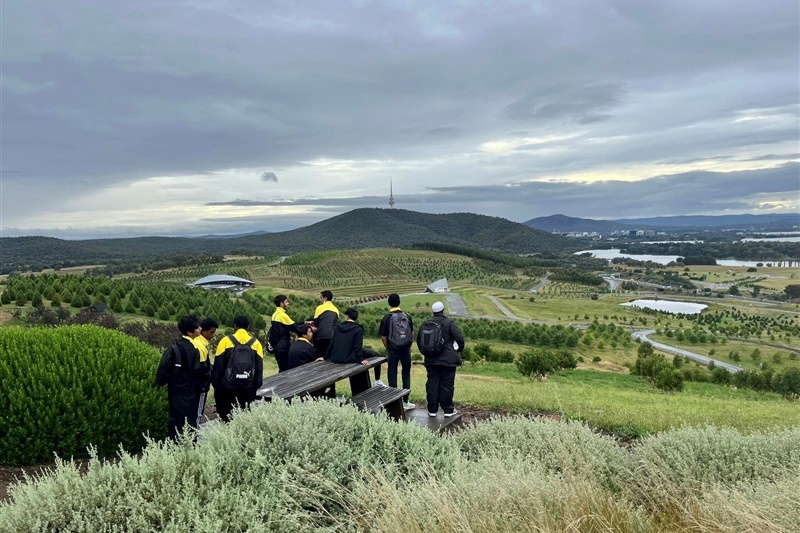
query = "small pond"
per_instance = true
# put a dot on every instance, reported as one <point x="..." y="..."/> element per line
<point x="668" y="306"/>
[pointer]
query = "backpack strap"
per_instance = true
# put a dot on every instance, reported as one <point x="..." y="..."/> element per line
<point x="250" y="343"/>
<point x="233" y="339"/>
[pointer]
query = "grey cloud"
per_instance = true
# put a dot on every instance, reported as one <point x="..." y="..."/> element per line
<point x="269" y="176"/>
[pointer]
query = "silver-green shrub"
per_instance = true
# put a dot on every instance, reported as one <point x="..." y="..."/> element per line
<point x="277" y="467"/>
<point x="570" y="448"/>
<point x="690" y="460"/>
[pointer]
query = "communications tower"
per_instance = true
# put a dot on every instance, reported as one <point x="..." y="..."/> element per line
<point x="391" y="194"/>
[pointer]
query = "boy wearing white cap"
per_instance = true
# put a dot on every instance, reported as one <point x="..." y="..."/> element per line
<point x="440" y="342"/>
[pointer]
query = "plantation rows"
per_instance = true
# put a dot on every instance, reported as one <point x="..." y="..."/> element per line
<point x="156" y="300"/>
<point x="734" y="323"/>
<point x="188" y="275"/>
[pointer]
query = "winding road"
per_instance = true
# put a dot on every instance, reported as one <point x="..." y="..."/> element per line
<point x="691" y="355"/>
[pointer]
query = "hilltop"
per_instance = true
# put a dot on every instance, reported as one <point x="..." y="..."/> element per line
<point x="359" y="228"/>
<point x="766" y="222"/>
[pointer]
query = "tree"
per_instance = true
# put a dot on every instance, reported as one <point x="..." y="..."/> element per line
<point x="792" y="291"/>
<point x="787" y="383"/>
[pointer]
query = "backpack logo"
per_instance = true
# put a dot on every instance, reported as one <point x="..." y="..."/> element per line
<point x="399" y="330"/>
<point x="431" y="339"/>
<point x="240" y="365"/>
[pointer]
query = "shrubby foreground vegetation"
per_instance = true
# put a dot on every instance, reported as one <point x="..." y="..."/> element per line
<point x="66" y="387"/>
<point x="314" y="465"/>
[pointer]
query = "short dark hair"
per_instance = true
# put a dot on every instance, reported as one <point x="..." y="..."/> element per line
<point x="241" y="322"/>
<point x="394" y="299"/>
<point x="208" y="324"/>
<point x="188" y="324"/>
<point x="328" y="295"/>
<point x="351" y="313"/>
<point x="302" y="329"/>
<point x="279" y="299"/>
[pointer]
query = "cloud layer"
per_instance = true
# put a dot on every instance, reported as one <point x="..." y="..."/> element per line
<point x="162" y="116"/>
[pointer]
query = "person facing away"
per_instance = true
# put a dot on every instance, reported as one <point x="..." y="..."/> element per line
<point x="281" y="329"/>
<point x="186" y="372"/>
<point x="301" y="350"/>
<point x="397" y="334"/>
<point x="326" y="317"/>
<point x="441" y="343"/>
<point x="347" y="346"/>
<point x="208" y="328"/>
<point x="238" y="369"/>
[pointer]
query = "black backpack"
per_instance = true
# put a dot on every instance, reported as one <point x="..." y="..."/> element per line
<point x="240" y="365"/>
<point x="430" y="339"/>
<point x="399" y="330"/>
<point x="271" y="342"/>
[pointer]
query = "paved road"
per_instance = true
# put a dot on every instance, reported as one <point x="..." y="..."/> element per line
<point x="455" y="305"/>
<point x="691" y="355"/>
<point x="506" y="311"/>
<point x="613" y="282"/>
<point x="539" y="285"/>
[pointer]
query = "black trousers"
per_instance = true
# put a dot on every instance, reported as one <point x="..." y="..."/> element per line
<point x="321" y="345"/>
<point x="226" y="400"/>
<point x="185" y="409"/>
<point x="402" y="356"/>
<point x="282" y="358"/>
<point x="440" y="387"/>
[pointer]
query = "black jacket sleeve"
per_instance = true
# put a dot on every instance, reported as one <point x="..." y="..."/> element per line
<point x="165" y="366"/>
<point x="358" y="345"/>
<point x="456" y="335"/>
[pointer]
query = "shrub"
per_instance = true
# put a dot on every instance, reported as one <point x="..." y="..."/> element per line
<point x="787" y="383"/>
<point x="73" y="386"/>
<point x="277" y="467"/>
<point x="538" y="362"/>
<point x="669" y="380"/>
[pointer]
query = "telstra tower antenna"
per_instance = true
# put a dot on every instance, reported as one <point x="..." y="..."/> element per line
<point x="391" y="194"/>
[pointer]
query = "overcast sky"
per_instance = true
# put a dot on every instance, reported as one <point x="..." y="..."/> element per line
<point x="224" y="116"/>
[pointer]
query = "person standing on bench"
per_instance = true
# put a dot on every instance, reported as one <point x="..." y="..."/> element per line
<point x="301" y="351"/>
<point x="347" y="346"/>
<point x="397" y="333"/>
<point x="326" y="317"/>
<point x="238" y="369"/>
<point x="187" y="374"/>
<point x="280" y="331"/>
<point x="441" y="342"/>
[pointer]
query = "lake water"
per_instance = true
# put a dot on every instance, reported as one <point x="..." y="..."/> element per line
<point x="613" y="253"/>
<point x="668" y="306"/>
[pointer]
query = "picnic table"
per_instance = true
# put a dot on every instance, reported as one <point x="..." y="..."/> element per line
<point x="318" y="375"/>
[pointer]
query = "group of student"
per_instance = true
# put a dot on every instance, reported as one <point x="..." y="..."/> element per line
<point x="237" y="371"/>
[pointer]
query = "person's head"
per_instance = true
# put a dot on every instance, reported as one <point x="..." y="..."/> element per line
<point x="305" y="331"/>
<point x="325" y="296"/>
<point x="394" y="300"/>
<point x="189" y="326"/>
<point x="241" y="322"/>
<point x="351" y="314"/>
<point x="281" y="301"/>
<point x="437" y="308"/>
<point x="208" y="328"/>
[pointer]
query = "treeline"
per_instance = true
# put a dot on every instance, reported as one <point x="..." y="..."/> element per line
<point x="754" y="251"/>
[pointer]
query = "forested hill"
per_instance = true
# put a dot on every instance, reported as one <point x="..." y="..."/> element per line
<point x="360" y="228"/>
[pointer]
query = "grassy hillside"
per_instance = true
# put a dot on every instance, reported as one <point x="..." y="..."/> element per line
<point x="360" y="228"/>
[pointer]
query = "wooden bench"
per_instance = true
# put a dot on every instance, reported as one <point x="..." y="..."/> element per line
<point x="377" y="399"/>
<point x="315" y="376"/>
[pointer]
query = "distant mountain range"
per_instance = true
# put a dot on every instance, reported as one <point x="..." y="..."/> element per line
<point x="771" y="222"/>
<point x="359" y="228"/>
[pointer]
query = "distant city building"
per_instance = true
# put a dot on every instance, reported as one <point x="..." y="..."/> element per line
<point x="223" y="282"/>
<point x="438" y="286"/>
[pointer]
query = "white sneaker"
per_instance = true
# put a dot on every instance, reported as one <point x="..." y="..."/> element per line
<point x="432" y="415"/>
<point x="408" y="406"/>
<point x="378" y="383"/>
<point x="454" y="413"/>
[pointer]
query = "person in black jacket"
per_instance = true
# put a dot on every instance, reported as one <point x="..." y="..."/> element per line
<point x="347" y="346"/>
<point x="302" y="351"/>
<point x="398" y="346"/>
<point x="281" y="329"/>
<point x="187" y="374"/>
<point x="442" y="368"/>
<point x="326" y="317"/>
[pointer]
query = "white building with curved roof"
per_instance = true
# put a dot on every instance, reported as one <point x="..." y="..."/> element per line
<point x="438" y="286"/>
<point x="223" y="282"/>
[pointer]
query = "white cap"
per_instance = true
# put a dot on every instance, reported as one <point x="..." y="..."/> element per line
<point x="437" y="307"/>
